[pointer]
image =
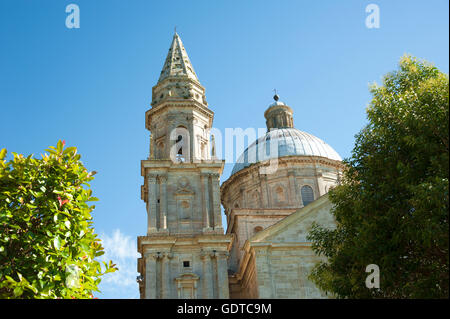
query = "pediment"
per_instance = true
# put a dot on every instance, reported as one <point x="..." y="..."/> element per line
<point x="296" y="226"/>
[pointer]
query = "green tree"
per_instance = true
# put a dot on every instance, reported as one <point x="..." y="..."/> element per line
<point x="47" y="243"/>
<point x="392" y="207"/>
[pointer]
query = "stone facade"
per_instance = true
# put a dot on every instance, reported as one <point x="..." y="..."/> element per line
<point x="276" y="261"/>
<point x="270" y="212"/>
<point x="185" y="251"/>
<point x="264" y="252"/>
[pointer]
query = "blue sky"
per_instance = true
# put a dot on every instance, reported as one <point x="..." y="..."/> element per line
<point x="91" y="86"/>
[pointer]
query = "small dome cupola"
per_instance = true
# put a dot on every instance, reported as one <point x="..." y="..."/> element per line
<point x="278" y="115"/>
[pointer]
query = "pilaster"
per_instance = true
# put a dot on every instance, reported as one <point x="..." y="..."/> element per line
<point x="208" y="287"/>
<point x="152" y="201"/>
<point x="217" y="218"/>
<point x="166" y="276"/>
<point x="163" y="203"/>
<point x="150" y="275"/>
<point x="222" y="274"/>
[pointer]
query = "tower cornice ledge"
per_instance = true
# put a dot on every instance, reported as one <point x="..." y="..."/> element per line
<point x="178" y="103"/>
<point x="177" y="79"/>
<point x="158" y="241"/>
<point x="282" y="161"/>
<point x="163" y="166"/>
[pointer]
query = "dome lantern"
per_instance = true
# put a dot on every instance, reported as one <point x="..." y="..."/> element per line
<point x="278" y="115"/>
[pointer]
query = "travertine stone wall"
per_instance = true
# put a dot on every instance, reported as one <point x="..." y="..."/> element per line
<point x="185" y="251"/>
<point x="180" y="267"/>
<point x="191" y="120"/>
<point x="276" y="262"/>
<point x="255" y="201"/>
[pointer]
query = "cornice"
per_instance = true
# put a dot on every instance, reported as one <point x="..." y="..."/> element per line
<point x="291" y="159"/>
<point x="178" y="102"/>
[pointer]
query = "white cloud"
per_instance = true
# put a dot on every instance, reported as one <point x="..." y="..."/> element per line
<point x="121" y="249"/>
<point x="120" y="245"/>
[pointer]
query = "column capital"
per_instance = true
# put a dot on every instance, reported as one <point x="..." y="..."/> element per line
<point x="167" y="255"/>
<point x="152" y="255"/>
<point x="220" y="254"/>
<point x="209" y="174"/>
<point x="215" y="175"/>
<point x="204" y="254"/>
<point x="162" y="178"/>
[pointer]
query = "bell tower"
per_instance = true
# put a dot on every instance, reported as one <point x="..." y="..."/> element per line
<point x="185" y="251"/>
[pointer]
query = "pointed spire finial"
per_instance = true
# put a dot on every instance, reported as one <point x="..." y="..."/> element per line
<point x="275" y="97"/>
<point x="177" y="61"/>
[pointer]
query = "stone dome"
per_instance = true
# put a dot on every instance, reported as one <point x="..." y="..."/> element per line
<point x="289" y="142"/>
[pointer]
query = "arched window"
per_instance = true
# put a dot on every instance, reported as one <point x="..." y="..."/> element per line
<point x="180" y="150"/>
<point x="180" y="156"/>
<point x="307" y="195"/>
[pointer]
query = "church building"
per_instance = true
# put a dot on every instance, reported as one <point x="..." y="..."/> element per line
<point x="264" y="251"/>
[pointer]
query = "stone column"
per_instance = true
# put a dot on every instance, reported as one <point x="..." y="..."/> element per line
<point x="294" y="200"/>
<point x="208" y="286"/>
<point x="217" y="218"/>
<point x="243" y="199"/>
<point x="197" y="156"/>
<point x="318" y="175"/>
<point x="166" y="277"/>
<point x="191" y="149"/>
<point x="163" y="202"/>
<point x="320" y="185"/>
<point x="264" y="191"/>
<point x="222" y="275"/>
<point x="151" y="227"/>
<point x="205" y="201"/>
<point x="150" y="276"/>
<point x="152" y="148"/>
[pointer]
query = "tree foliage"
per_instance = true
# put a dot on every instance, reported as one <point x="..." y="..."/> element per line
<point x="392" y="207"/>
<point x="47" y="241"/>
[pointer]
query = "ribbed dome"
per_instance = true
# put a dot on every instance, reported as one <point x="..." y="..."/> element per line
<point x="290" y="141"/>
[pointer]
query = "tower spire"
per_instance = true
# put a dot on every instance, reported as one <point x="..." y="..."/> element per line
<point x="184" y="253"/>
<point x="177" y="62"/>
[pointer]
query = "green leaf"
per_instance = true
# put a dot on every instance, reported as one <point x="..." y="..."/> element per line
<point x="2" y="153"/>
<point x="71" y="149"/>
<point x="59" y="146"/>
<point x="48" y="236"/>
<point x="18" y="291"/>
<point x="57" y="243"/>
